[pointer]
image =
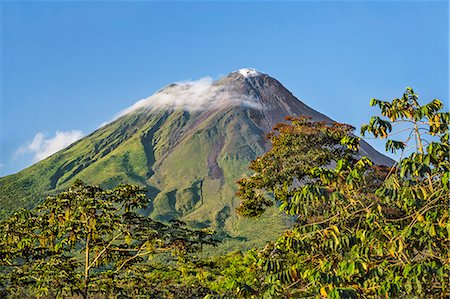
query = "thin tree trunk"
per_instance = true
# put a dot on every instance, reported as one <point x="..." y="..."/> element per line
<point x="86" y="268"/>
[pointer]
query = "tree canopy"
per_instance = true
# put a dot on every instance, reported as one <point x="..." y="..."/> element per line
<point x="87" y="241"/>
<point x="362" y="230"/>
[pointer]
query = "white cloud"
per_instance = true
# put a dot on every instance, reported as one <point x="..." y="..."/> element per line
<point x="248" y="72"/>
<point x="195" y="95"/>
<point x="41" y="147"/>
<point x="188" y="95"/>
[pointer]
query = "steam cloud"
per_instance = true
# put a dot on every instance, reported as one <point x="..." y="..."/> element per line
<point x="41" y="147"/>
<point x="196" y="95"/>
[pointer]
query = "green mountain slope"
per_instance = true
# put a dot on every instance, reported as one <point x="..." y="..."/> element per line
<point x="187" y="158"/>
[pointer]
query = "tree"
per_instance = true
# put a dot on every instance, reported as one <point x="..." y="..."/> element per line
<point x="362" y="230"/>
<point x="296" y="149"/>
<point x="87" y="240"/>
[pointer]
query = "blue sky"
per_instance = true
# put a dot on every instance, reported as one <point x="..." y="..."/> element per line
<point x="66" y="67"/>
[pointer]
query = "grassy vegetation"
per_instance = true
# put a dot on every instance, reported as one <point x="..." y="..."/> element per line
<point x="166" y="153"/>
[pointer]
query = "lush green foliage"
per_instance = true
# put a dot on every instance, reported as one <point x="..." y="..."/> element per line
<point x="282" y="171"/>
<point x="88" y="240"/>
<point x="362" y="231"/>
<point x="171" y="154"/>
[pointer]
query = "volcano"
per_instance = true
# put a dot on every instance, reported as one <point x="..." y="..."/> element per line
<point x="187" y="144"/>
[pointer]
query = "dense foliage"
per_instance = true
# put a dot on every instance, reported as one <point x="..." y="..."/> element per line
<point x="88" y="241"/>
<point x="361" y="231"/>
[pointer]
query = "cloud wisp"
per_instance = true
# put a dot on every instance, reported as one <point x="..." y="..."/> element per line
<point x="42" y="147"/>
<point x="191" y="96"/>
